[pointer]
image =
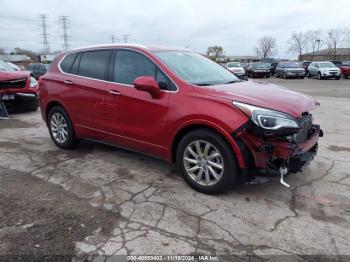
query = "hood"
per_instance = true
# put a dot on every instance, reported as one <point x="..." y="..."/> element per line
<point x="262" y="94"/>
<point x="12" y="75"/>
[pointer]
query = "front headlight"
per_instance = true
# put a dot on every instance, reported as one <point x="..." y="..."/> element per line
<point x="33" y="82"/>
<point x="266" y="118"/>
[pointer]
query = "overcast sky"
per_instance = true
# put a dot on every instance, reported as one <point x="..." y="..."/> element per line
<point x="234" y="24"/>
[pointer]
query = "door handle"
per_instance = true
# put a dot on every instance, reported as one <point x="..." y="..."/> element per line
<point x="114" y="92"/>
<point x="68" y="82"/>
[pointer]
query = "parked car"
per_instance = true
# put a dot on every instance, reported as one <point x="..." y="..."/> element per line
<point x="236" y="68"/>
<point x="38" y="69"/>
<point x="273" y="68"/>
<point x="345" y="69"/>
<point x="306" y="64"/>
<point x="179" y="106"/>
<point x="258" y="70"/>
<point x="323" y="70"/>
<point x="337" y="63"/>
<point x="18" y="89"/>
<point x="290" y="69"/>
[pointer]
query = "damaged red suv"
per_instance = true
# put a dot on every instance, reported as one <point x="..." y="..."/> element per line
<point x="182" y="107"/>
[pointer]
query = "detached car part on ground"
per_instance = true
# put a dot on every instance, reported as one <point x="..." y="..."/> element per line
<point x="18" y="90"/>
<point x="177" y="105"/>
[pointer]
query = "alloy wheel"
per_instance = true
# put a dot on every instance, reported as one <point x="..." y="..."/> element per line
<point x="59" y="127"/>
<point x="203" y="163"/>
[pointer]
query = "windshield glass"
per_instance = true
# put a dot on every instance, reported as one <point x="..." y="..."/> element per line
<point x="5" y="67"/>
<point x="292" y="65"/>
<point x="261" y="65"/>
<point x="327" y="65"/>
<point x="195" y="68"/>
<point x="234" y="65"/>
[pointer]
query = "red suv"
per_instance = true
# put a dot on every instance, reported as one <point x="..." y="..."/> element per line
<point x="182" y="107"/>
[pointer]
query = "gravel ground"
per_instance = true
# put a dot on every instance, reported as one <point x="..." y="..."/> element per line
<point x="99" y="200"/>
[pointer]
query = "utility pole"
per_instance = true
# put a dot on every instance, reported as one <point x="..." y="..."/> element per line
<point x="46" y="47"/>
<point x="125" y="37"/>
<point x="113" y="39"/>
<point x="64" y="20"/>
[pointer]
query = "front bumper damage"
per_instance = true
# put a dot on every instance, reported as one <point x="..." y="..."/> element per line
<point x="276" y="154"/>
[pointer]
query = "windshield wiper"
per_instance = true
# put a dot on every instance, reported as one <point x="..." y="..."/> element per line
<point x="202" y="84"/>
<point x="231" y="82"/>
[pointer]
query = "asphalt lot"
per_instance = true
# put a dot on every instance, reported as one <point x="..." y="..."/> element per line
<point x="100" y="200"/>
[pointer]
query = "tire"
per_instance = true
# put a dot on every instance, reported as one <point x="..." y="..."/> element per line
<point x="302" y="77"/>
<point x="337" y="78"/>
<point x="308" y="74"/>
<point x="319" y="77"/>
<point x="284" y="75"/>
<point x="345" y="76"/>
<point x="59" y="120"/>
<point x="268" y="76"/>
<point x="206" y="182"/>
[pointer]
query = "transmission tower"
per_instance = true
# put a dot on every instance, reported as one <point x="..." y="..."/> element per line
<point x="46" y="47"/>
<point x="64" y="21"/>
<point x="125" y="37"/>
<point x="113" y="39"/>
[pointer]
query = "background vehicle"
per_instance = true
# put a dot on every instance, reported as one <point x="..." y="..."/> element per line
<point x="290" y="69"/>
<point x="236" y="68"/>
<point x="345" y="69"/>
<point x="337" y="63"/>
<point x="38" y="69"/>
<point x="180" y="106"/>
<point x="16" y="67"/>
<point x="273" y="68"/>
<point x="323" y="70"/>
<point x="18" y="89"/>
<point x="306" y="64"/>
<point x="258" y="70"/>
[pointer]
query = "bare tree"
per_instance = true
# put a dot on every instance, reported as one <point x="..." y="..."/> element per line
<point x="314" y="40"/>
<point x="214" y="52"/>
<point x="336" y="37"/>
<point x="298" y="42"/>
<point x="266" y="46"/>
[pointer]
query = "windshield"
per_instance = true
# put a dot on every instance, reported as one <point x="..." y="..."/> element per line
<point x="346" y="63"/>
<point x="5" y="67"/>
<point x="327" y="65"/>
<point x="195" y="68"/>
<point x="292" y="65"/>
<point x="234" y="65"/>
<point x="261" y="65"/>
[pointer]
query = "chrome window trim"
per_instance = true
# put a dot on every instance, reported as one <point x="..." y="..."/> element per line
<point x="116" y="49"/>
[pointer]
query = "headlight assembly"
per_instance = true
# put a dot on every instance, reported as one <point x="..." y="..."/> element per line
<point x="266" y="118"/>
<point x="33" y="82"/>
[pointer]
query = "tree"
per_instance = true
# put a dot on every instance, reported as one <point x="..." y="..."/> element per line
<point x="314" y="40"/>
<point x="266" y="46"/>
<point x="298" y="42"/>
<point x="336" y="37"/>
<point x="214" y="52"/>
<point x="19" y="51"/>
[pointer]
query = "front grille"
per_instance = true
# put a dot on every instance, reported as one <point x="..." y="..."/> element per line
<point x="305" y="123"/>
<point x="298" y="71"/>
<point x="16" y="83"/>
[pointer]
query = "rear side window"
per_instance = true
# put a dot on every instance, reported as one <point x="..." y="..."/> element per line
<point x="130" y="65"/>
<point x="67" y="62"/>
<point x="93" y="64"/>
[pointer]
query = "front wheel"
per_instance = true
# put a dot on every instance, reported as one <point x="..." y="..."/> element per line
<point x="206" y="161"/>
<point x="61" y="128"/>
<point x="319" y="77"/>
<point x="308" y="74"/>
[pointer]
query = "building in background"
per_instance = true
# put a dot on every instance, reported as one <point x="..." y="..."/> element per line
<point x="342" y="54"/>
<point x="20" y="60"/>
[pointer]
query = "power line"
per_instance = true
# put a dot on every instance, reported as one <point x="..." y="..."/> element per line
<point x="46" y="47"/>
<point x="64" y="20"/>
<point x="125" y="37"/>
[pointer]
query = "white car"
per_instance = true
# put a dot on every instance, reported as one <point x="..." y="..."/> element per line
<point x="323" y="70"/>
<point x="236" y="68"/>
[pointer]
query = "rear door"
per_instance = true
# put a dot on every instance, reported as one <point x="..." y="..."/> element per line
<point x="87" y="88"/>
<point x="137" y="120"/>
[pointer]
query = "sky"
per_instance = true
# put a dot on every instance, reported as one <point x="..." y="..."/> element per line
<point x="233" y="24"/>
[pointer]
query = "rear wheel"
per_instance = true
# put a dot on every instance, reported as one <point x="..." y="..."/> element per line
<point x="206" y="161"/>
<point x="319" y="77"/>
<point x="308" y="74"/>
<point x="61" y="128"/>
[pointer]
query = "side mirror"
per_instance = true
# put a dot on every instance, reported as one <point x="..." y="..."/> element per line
<point x="148" y="84"/>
